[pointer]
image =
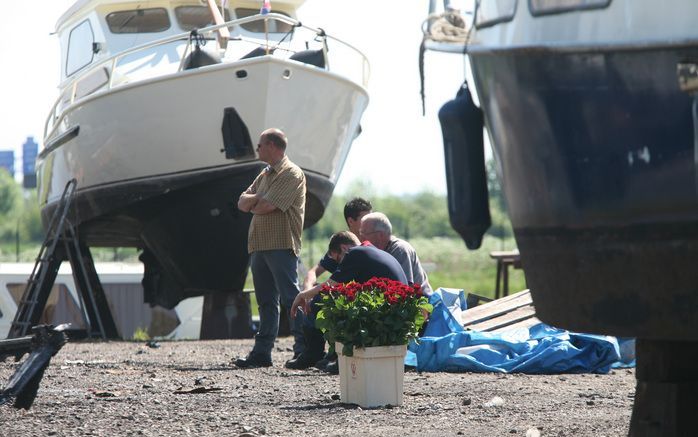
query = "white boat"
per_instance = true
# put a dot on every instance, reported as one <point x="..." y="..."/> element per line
<point x="158" y="112"/>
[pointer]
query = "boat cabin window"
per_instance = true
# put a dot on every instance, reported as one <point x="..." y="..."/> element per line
<point x="139" y="21"/>
<point x="80" y="51"/>
<point x="258" y="26"/>
<point x="196" y="17"/>
<point x="491" y="12"/>
<point x="546" y="7"/>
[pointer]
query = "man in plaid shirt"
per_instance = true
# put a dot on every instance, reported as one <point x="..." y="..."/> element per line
<point x="276" y="199"/>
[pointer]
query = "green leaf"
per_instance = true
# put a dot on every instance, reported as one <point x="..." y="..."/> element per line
<point x="348" y="350"/>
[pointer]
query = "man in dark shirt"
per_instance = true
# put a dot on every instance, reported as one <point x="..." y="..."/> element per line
<point x="354" y="210"/>
<point x="356" y="262"/>
<point x="361" y="263"/>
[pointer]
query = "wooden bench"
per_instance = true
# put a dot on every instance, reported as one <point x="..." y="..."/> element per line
<point x="504" y="259"/>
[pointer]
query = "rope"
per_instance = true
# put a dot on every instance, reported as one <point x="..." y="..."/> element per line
<point x="422" y="49"/>
<point x="447" y="27"/>
<point x="289" y="33"/>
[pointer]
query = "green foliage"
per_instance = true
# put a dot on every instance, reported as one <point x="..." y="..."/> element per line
<point x="501" y="226"/>
<point x="10" y="194"/>
<point x="30" y="228"/>
<point x="375" y="313"/>
<point x="494" y="187"/>
<point x="422" y="219"/>
<point x="115" y="254"/>
<point x="421" y="215"/>
<point x="21" y="231"/>
<point x="450" y="264"/>
<point x="141" y="334"/>
<point x="10" y="206"/>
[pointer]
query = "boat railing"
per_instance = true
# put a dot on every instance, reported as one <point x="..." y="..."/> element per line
<point x="69" y="93"/>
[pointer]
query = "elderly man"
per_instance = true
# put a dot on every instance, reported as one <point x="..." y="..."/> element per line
<point x="376" y="228"/>
<point x="276" y="199"/>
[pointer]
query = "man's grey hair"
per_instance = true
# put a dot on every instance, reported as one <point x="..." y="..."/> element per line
<point x="380" y="222"/>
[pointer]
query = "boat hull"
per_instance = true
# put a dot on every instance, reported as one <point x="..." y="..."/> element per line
<point x="194" y="239"/>
<point x="597" y="152"/>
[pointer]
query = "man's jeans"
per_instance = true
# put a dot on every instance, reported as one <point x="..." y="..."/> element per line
<point x="275" y="275"/>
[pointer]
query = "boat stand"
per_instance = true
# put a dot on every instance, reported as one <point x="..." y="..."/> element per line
<point x="62" y="244"/>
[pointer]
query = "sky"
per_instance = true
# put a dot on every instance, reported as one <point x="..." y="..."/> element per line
<point x="399" y="150"/>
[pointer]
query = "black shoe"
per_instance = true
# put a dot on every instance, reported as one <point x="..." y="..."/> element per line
<point x="253" y="360"/>
<point x="314" y="350"/>
<point x="305" y="360"/>
<point x="332" y="368"/>
<point x="327" y="359"/>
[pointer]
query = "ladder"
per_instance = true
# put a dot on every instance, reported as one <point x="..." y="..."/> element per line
<point x="61" y="244"/>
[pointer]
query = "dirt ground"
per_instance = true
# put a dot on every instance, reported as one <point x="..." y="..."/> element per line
<point x="128" y="388"/>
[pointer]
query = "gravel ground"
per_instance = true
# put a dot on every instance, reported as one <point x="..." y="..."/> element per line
<point x="127" y="388"/>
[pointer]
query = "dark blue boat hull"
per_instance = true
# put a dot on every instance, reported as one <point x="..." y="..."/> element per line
<point x="598" y="156"/>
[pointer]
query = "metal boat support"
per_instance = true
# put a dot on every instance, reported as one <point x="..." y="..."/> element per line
<point x="61" y="244"/>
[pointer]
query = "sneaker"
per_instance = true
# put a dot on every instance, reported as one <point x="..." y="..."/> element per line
<point x="253" y="360"/>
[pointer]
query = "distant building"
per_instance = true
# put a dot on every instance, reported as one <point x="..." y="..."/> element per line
<point x="7" y="161"/>
<point x="29" y="151"/>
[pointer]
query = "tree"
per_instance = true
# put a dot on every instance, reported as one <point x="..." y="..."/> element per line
<point x="494" y="186"/>
<point x="501" y="225"/>
<point x="10" y="194"/>
<point x="10" y="205"/>
<point x="31" y="229"/>
<point x="420" y="215"/>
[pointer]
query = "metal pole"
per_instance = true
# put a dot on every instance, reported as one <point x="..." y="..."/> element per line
<point x="17" y="243"/>
<point x="266" y="33"/>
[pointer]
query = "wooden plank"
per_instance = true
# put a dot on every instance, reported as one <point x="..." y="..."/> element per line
<point x="504" y="320"/>
<point x="526" y="323"/>
<point x="496" y="308"/>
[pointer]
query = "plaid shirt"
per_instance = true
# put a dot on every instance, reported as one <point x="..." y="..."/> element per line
<point x="282" y="185"/>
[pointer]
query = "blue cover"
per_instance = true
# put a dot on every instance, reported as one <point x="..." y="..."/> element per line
<point x="541" y="349"/>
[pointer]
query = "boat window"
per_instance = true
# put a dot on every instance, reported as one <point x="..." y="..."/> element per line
<point x="258" y="26"/>
<point x="491" y="12"/>
<point x="546" y="7"/>
<point x="196" y="17"/>
<point x="80" y="51"/>
<point x="139" y="21"/>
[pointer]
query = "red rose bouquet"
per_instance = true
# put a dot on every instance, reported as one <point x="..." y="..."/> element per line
<point x="379" y="312"/>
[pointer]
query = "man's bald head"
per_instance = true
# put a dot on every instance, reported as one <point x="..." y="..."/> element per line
<point x="276" y="137"/>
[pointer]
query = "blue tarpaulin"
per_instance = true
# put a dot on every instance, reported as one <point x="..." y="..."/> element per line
<point x="446" y="346"/>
